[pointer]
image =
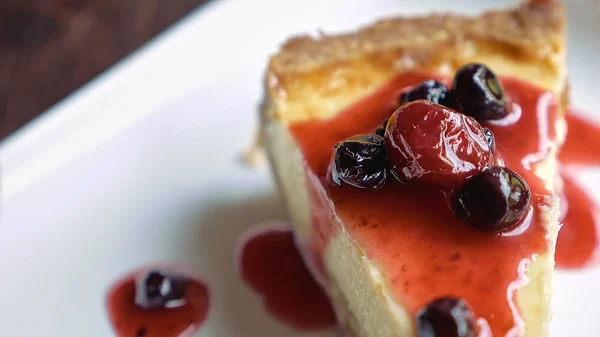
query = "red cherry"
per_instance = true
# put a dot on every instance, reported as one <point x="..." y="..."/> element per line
<point x="429" y="143"/>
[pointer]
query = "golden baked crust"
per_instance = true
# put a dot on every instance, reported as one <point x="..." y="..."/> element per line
<point x="526" y="42"/>
<point x="529" y="30"/>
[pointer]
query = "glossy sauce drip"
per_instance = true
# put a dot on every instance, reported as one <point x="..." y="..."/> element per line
<point x="581" y="146"/>
<point x="129" y="320"/>
<point x="410" y="231"/>
<point x="579" y="237"/>
<point x="271" y="264"/>
<point x="577" y="244"/>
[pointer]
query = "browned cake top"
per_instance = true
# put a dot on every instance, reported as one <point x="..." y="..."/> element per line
<point x="531" y="29"/>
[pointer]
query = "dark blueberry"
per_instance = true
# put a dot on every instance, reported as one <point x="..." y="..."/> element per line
<point x="158" y="289"/>
<point x="360" y="161"/>
<point x="479" y="93"/>
<point x="493" y="201"/>
<point x="446" y="317"/>
<point x="489" y="136"/>
<point x="430" y="90"/>
<point x="380" y="131"/>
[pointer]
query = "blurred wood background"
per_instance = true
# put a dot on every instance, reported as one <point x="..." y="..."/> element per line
<point x="49" y="48"/>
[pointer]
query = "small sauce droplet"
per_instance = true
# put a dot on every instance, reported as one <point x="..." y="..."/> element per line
<point x="130" y="320"/>
<point x="271" y="265"/>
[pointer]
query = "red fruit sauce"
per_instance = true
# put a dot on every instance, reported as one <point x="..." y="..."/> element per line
<point x="579" y="237"/>
<point x="129" y="320"/>
<point x="580" y="148"/>
<point x="271" y="264"/>
<point x="439" y="255"/>
<point x="411" y="232"/>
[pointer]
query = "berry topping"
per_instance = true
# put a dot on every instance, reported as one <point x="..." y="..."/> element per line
<point x="360" y="161"/>
<point x="430" y="90"/>
<point x="493" y="201"/>
<point x="429" y="143"/>
<point x="157" y="290"/>
<point x="489" y="136"/>
<point x="479" y="93"/>
<point x="380" y="131"/>
<point x="446" y="317"/>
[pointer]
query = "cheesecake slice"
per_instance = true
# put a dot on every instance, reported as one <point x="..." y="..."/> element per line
<point x="385" y="254"/>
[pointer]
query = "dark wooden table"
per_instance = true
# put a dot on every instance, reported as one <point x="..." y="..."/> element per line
<point x="49" y="48"/>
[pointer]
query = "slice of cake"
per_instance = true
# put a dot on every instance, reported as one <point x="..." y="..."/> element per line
<point x="418" y="160"/>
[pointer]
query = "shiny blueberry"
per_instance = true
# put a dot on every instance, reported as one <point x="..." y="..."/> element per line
<point x="494" y="201"/>
<point x="489" y="136"/>
<point x="446" y="317"/>
<point x="479" y="93"/>
<point x="430" y="90"/>
<point x="158" y="289"/>
<point x="429" y="143"/>
<point x="360" y="161"/>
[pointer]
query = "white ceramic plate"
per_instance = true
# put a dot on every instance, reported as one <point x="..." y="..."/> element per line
<point x="143" y="165"/>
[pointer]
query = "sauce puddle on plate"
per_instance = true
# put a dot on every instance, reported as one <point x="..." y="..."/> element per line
<point x="270" y="263"/>
<point x="157" y="302"/>
<point x="579" y="237"/>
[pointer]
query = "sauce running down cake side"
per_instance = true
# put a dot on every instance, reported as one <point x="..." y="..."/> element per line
<point x="410" y="232"/>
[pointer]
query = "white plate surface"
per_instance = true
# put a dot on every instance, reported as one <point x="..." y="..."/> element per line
<point x="143" y="165"/>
